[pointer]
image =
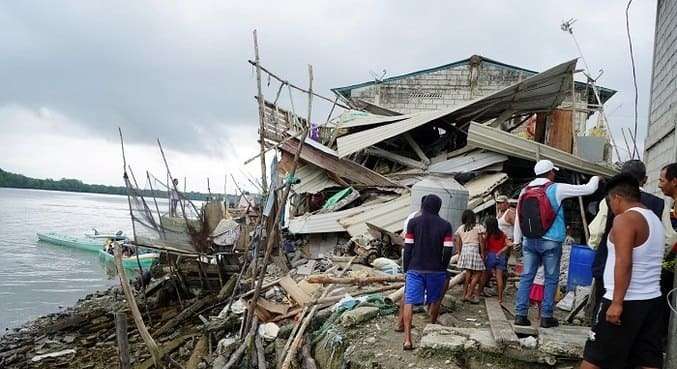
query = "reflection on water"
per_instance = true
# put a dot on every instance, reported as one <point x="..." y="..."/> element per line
<point x="37" y="278"/>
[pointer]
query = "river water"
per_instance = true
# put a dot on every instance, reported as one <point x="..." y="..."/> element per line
<point x="37" y="278"/>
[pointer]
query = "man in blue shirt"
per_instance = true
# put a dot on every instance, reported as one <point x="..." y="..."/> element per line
<point x="546" y="250"/>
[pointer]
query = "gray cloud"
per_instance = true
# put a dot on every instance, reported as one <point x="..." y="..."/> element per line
<point x="179" y="70"/>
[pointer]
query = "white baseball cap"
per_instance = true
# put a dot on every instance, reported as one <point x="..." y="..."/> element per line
<point x="544" y="166"/>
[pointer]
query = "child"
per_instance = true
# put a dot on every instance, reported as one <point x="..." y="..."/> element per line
<point x="497" y="258"/>
<point x="536" y="293"/>
<point x="470" y="243"/>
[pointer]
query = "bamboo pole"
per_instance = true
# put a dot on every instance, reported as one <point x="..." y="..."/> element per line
<point x="134" y="309"/>
<point x="278" y="213"/>
<point x="309" y="91"/>
<point x="333" y="299"/>
<point x="262" y="132"/>
<point x="325" y="279"/>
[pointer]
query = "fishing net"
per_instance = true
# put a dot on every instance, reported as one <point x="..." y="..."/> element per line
<point x="160" y="222"/>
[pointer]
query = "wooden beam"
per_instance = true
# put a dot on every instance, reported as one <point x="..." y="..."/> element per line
<point x="343" y="168"/>
<point x="372" y="150"/>
<point x="262" y="129"/>
<point x="500" y="326"/>
<point x="417" y="148"/>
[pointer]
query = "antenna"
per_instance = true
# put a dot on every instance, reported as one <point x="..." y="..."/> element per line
<point x="376" y="77"/>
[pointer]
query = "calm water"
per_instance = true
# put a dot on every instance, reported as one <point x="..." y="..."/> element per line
<point x="38" y="278"/>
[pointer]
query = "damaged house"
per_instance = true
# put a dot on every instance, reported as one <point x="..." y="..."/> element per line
<point x="475" y="127"/>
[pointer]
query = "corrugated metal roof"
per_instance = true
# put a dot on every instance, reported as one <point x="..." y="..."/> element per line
<point x="354" y="118"/>
<point x="389" y="216"/>
<point x="469" y="162"/>
<point x="327" y="222"/>
<point x="313" y="180"/>
<point x="482" y="186"/>
<point x="543" y="91"/>
<point x="495" y="140"/>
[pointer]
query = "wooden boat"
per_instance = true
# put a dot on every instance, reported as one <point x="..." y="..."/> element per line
<point x="89" y="244"/>
<point x="117" y="236"/>
<point x="130" y="262"/>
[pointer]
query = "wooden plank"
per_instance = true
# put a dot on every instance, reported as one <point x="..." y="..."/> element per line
<point x="273" y="307"/>
<point x="500" y="326"/>
<point x="560" y="130"/>
<point x="294" y="291"/>
<point x="395" y="157"/>
<point x="414" y="145"/>
<point x="343" y="168"/>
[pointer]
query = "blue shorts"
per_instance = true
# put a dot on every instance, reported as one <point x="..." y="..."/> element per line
<point x="424" y="287"/>
<point x="496" y="262"/>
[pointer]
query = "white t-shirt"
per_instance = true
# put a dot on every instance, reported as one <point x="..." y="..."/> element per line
<point x="410" y="217"/>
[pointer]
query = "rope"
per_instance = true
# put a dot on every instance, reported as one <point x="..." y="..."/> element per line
<point x="634" y="76"/>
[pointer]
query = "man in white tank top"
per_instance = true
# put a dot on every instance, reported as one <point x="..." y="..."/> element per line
<point x="627" y="329"/>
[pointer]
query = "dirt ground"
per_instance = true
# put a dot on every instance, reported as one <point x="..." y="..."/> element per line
<point x="376" y="344"/>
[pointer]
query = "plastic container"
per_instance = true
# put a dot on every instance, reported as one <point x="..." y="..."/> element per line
<point x="454" y="197"/>
<point x="580" y="266"/>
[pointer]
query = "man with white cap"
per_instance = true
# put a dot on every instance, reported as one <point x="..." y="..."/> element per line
<point x="540" y="226"/>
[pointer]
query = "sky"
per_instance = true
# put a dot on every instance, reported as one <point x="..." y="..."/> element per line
<point x="72" y="72"/>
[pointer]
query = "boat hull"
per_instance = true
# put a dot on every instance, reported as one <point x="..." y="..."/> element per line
<point x="146" y="260"/>
<point x="73" y="242"/>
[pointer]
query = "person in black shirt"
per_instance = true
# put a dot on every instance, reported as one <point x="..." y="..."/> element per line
<point x="428" y="247"/>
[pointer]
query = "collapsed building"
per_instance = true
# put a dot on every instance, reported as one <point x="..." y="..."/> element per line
<point x="474" y="127"/>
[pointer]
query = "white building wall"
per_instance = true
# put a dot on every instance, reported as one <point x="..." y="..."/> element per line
<point x="660" y="145"/>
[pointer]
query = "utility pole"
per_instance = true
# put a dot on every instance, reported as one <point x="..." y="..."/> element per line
<point x="262" y="116"/>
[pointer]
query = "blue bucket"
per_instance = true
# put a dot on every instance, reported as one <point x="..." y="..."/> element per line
<point x="580" y="266"/>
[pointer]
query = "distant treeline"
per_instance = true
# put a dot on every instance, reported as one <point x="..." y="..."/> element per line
<point x="8" y="179"/>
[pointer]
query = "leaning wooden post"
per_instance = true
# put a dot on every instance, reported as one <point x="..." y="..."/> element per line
<point x="123" y="343"/>
<point x="271" y="237"/>
<point x="262" y="116"/>
<point x="136" y="314"/>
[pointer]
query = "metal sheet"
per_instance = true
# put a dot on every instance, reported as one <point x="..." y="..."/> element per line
<point x="389" y="216"/>
<point x="543" y="91"/>
<point x="474" y="160"/>
<point x="325" y="223"/>
<point x="313" y="180"/>
<point x="495" y="140"/>
<point x="351" y="119"/>
<point x="482" y="186"/>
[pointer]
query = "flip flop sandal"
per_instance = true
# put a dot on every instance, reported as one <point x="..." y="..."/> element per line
<point x="408" y="347"/>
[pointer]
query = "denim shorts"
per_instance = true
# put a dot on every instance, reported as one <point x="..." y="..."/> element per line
<point x="499" y="262"/>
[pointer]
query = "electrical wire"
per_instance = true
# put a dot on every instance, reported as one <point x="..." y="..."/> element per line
<point x="634" y="75"/>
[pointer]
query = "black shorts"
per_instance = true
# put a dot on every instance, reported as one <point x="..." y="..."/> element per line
<point x="636" y="342"/>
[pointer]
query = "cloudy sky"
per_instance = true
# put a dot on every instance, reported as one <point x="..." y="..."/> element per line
<point x="71" y="72"/>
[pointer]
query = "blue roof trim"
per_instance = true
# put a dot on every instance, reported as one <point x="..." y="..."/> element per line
<point x="605" y="93"/>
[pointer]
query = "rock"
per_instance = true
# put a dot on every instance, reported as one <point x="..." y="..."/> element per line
<point x="440" y="339"/>
<point x="219" y="362"/>
<point x="370" y="340"/>
<point x="529" y="342"/>
<point x="329" y="351"/>
<point x="358" y="315"/>
<point x="563" y="341"/>
<point x="269" y="331"/>
<point x="69" y="339"/>
<point x="449" y="302"/>
<point x="226" y="346"/>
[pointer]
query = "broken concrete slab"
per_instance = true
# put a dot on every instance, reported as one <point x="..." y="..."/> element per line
<point x="467" y="340"/>
<point x="563" y="341"/>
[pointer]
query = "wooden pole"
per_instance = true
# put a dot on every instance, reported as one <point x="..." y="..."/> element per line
<point x="330" y="299"/>
<point x="280" y="210"/>
<point x="291" y="85"/>
<point x="262" y="115"/>
<point x="260" y="352"/>
<point x="136" y="314"/>
<point x="123" y="343"/>
<point x="325" y="279"/>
